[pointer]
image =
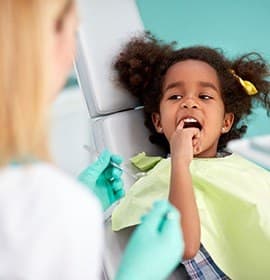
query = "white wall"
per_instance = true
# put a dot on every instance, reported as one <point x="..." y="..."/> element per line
<point x="70" y="130"/>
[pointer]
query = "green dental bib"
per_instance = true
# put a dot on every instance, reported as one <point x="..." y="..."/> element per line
<point x="233" y="198"/>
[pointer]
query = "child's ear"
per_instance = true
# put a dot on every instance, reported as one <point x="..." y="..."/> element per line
<point x="157" y="122"/>
<point x="227" y="122"/>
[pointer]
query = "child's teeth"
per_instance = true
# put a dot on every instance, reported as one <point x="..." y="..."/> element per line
<point x="190" y="120"/>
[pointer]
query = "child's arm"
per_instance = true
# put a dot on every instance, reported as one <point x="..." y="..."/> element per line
<point x="181" y="190"/>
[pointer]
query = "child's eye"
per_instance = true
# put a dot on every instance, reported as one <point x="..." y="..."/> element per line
<point x="175" y="97"/>
<point x="205" y="96"/>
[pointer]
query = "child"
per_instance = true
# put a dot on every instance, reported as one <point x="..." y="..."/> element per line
<point x="194" y="101"/>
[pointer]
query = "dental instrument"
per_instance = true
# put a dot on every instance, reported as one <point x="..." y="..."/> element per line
<point x="126" y="170"/>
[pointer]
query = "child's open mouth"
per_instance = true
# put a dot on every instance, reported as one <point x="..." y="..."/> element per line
<point x="191" y="122"/>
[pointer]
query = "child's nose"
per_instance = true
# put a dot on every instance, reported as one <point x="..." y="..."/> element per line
<point x="189" y="103"/>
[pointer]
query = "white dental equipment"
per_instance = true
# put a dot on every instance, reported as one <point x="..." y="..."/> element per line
<point x="256" y="149"/>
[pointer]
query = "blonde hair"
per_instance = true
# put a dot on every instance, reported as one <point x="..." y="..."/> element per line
<point x="26" y="32"/>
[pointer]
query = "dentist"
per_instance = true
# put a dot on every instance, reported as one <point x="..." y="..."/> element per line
<point x="51" y="225"/>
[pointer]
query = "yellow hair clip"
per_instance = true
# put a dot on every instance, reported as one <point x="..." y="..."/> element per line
<point x="247" y="85"/>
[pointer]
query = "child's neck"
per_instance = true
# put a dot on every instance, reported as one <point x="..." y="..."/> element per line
<point x="218" y="154"/>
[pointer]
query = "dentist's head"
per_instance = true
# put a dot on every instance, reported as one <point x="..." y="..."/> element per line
<point x="37" y="48"/>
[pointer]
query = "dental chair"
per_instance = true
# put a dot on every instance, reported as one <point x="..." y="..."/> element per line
<point x="115" y="116"/>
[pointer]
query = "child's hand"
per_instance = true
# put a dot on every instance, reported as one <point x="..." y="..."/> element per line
<point x="185" y="142"/>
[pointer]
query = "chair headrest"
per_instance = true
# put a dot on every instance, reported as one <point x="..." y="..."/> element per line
<point x="104" y="28"/>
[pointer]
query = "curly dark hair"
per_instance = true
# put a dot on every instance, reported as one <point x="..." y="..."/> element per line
<point x="144" y="61"/>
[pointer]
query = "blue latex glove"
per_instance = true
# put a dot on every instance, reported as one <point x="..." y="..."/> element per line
<point x="104" y="179"/>
<point x="156" y="246"/>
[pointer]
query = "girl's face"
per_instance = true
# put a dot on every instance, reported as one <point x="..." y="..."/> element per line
<point x="191" y="92"/>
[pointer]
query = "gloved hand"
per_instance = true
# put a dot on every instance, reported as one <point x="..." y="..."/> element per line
<point x="104" y="179"/>
<point x="156" y="246"/>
